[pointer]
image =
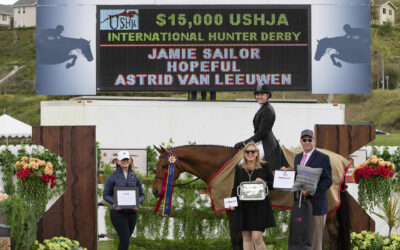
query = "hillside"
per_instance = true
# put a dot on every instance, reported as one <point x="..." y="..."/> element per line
<point x="18" y="92"/>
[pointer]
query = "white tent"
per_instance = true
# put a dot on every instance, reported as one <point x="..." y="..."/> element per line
<point x="11" y="127"/>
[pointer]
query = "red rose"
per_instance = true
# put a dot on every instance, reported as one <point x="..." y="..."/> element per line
<point x="357" y="174"/>
<point x="53" y="183"/>
<point x="367" y="172"/>
<point x="45" y="178"/>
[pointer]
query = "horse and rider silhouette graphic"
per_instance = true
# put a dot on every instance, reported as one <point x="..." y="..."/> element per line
<point x="351" y="48"/>
<point x="55" y="49"/>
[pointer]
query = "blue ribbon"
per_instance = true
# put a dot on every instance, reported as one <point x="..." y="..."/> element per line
<point x="171" y="160"/>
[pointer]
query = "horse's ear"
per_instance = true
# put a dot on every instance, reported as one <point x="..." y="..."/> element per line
<point x="158" y="149"/>
<point x="163" y="149"/>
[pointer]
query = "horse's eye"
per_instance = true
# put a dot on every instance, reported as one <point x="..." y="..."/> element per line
<point x="165" y="166"/>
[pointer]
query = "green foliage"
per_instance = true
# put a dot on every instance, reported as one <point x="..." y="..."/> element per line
<point x="169" y="144"/>
<point x="100" y="162"/>
<point x="192" y="224"/>
<point x="59" y="168"/>
<point x="34" y="191"/>
<point x="7" y="161"/>
<point x="395" y="159"/>
<point x="58" y="243"/>
<point x="22" y="221"/>
<point x="390" y="212"/>
<point x="373" y="191"/>
<point x="394" y="76"/>
<point x="373" y="241"/>
<point x="151" y="160"/>
<point x="386" y="29"/>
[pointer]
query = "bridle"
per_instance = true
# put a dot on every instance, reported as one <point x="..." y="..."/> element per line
<point x="180" y="170"/>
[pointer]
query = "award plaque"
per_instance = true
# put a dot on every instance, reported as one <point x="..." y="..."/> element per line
<point x="126" y="197"/>
<point x="251" y="191"/>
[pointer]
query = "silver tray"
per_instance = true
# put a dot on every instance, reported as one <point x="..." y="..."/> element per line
<point x="251" y="191"/>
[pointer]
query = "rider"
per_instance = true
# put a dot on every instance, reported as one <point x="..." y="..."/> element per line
<point x="263" y="136"/>
<point x="355" y="33"/>
<point x="51" y="34"/>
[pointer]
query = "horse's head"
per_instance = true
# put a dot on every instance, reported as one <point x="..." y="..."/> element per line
<point x="321" y="48"/>
<point x="86" y="51"/>
<point x="161" y="168"/>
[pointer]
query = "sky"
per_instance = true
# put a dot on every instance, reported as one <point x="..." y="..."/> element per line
<point x="7" y="1"/>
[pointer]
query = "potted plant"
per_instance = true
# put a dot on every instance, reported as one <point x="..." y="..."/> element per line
<point x="374" y="181"/>
<point x="34" y="176"/>
<point x="58" y="243"/>
<point x="390" y="212"/>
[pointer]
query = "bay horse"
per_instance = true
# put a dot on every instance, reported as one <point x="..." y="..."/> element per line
<point x="204" y="161"/>
<point x="60" y="50"/>
<point x="346" y="49"/>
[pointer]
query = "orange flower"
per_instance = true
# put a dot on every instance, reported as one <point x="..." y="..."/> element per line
<point x="17" y="164"/>
<point x="362" y="165"/>
<point x="33" y="165"/>
<point x="381" y="162"/>
<point x="24" y="158"/>
<point x="393" y="167"/>
<point x="49" y="165"/>
<point x="374" y="160"/>
<point x="41" y="163"/>
<point x="26" y="166"/>
<point x="48" y="171"/>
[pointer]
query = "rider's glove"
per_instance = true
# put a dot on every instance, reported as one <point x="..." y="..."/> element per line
<point x="239" y="145"/>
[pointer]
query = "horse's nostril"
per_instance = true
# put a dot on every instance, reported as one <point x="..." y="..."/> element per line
<point x="156" y="194"/>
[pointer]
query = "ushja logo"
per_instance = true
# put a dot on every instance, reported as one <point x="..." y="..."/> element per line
<point x="122" y="21"/>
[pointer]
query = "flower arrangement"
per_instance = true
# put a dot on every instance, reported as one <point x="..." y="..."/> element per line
<point x="35" y="167"/>
<point x="371" y="241"/>
<point x="58" y="243"/>
<point x="374" y="179"/>
<point x="3" y="196"/>
<point x="33" y="177"/>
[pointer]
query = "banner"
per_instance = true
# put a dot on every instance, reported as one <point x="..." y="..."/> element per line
<point x="92" y="46"/>
<point x="203" y="48"/>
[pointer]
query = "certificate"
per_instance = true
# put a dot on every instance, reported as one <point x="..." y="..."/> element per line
<point x="230" y="202"/>
<point x="283" y="180"/>
<point x="126" y="197"/>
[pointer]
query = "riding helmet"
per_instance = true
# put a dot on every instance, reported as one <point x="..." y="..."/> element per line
<point x="263" y="88"/>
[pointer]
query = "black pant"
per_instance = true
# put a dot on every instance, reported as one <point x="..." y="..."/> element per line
<point x="124" y="223"/>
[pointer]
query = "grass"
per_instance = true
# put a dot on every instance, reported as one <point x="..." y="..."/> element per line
<point x="386" y="140"/>
<point x="382" y="107"/>
<point x="218" y="244"/>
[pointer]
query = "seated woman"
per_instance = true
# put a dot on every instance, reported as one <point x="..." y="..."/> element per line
<point x="263" y="136"/>
<point x="252" y="217"/>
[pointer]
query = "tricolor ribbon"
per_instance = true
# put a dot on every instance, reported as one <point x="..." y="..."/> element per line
<point x="168" y="186"/>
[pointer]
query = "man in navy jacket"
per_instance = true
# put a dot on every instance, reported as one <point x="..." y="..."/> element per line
<point x="311" y="157"/>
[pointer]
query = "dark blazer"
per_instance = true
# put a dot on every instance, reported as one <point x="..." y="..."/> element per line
<point x="263" y="122"/>
<point x="117" y="179"/>
<point x="319" y="200"/>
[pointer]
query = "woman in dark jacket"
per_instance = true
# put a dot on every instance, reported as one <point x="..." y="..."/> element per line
<point x="123" y="220"/>
<point x="252" y="217"/>
<point x="263" y="122"/>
